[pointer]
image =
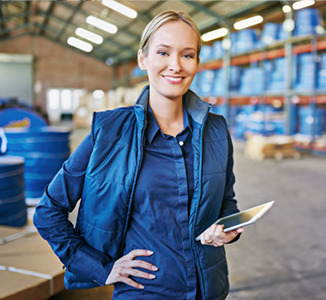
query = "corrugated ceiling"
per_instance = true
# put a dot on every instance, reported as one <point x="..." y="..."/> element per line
<point x="58" y="20"/>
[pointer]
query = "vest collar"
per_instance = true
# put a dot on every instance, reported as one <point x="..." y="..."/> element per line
<point x="197" y="108"/>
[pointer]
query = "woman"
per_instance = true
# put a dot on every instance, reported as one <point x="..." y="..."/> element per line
<point x="151" y="178"/>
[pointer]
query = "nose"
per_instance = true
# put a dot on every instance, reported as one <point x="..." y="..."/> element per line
<point x="175" y="64"/>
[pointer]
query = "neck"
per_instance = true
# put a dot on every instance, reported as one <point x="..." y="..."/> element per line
<point x="168" y="114"/>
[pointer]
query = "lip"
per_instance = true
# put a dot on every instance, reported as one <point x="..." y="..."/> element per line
<point x="173" y="79"/>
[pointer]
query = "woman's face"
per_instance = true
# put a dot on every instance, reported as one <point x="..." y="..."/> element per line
<point x="171" y="61"/>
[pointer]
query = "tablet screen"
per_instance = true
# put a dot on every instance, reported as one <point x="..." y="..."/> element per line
<point x="240" y="218"/>
<point x="243" y="218"/>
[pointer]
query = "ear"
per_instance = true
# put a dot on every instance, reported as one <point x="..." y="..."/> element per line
<point x="141" y="60"/>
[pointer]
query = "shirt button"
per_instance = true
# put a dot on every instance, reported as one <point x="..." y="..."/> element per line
<point x="181" y="143"/>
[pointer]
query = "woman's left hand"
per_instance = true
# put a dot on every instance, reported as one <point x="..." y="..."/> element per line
<point x="215" y="236"/>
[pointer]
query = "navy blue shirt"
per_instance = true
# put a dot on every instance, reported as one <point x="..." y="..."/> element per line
<point x="159" y="220"/>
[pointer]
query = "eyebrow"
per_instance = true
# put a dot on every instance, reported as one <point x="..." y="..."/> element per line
<point x="167" y="46"/>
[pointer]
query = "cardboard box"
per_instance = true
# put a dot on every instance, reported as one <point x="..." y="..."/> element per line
<point x="260" y="147"/>
<point x="29" y="270"/>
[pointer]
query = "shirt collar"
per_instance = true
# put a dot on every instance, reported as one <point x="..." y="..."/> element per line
<point x="153" y="127"/>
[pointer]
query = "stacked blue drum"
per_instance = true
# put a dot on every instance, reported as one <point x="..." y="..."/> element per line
<point x="44" y="150"/>
<point x="246" y="40"/>
<point x="12" y="196"/>
<point x="252" y="81"/>
<point x="269" y="34"/>
<point x="306" y="21"/>
<point x="321" y="75"/>
<point x="276" y="75"/>
<point x="312" y="121"/>
<point x="305" y="73"/>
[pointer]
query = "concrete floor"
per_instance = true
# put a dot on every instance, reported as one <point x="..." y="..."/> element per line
<point x="283" y="256"/>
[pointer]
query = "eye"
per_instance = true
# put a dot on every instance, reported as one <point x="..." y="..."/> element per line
<point x="163" y="53"/>
<point x="188" y="56"/>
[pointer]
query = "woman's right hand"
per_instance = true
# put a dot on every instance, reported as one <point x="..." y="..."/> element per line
<point x="124" y="267"/>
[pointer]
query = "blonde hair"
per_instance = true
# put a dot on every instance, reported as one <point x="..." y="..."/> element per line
<point x="162" y="18"/>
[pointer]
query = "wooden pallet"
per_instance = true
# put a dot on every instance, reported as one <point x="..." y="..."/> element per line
<point x="260" y="147"/>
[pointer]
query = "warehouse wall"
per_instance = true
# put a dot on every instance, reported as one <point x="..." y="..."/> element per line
<point x="59" y="67"/>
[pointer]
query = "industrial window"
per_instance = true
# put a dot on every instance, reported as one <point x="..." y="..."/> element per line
<point x="62" y="102"/>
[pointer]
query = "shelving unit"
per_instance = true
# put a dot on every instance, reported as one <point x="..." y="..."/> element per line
<point x="290" y="98"/>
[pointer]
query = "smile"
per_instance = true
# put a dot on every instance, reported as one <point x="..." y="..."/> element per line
<point x="174" y="79"/>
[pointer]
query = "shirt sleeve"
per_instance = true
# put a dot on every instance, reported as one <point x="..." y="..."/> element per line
<point x="51" y="219"/>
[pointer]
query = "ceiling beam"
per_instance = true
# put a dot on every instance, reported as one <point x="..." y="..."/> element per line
<point x="28" y="5"/>
<point x="12" y="37"/>
<point x="75" y="9"/>
<point x="47" y="17"/>
<point x="18" y="15"/>
<point x="201" y="8"/>
<point x="18" y="27"/>
<point x="238" y="12"/>
<point x="3" y="24"/>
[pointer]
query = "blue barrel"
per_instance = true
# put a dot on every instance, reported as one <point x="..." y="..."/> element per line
<point x="306" y="21"/>
<point x="44" y="150"/>
<point x="12" y="193"/>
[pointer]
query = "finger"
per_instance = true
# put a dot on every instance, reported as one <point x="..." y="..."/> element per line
<point x="139" y="252"/>
<point x="231" y="235"/>
<point x="202" y="239"/>
<point x="219" y="233"/>
<point x="131" y="282"/>
<point x="142" y="264"/>
<point x="240" y="230"/>
<point x="141" y="274"/>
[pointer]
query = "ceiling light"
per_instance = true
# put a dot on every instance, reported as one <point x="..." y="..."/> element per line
<point x="122" y="9"/>
<point x="93" y="37"/>
<point x="106" y="26"/>
<point x="109" y="61"/>
<point x="87" y="47"/>
<point x="302" y="4"/>
<point x="286" y="8"/>
<point x="215" y="34"/>
<point x="288" y="25"/>
<point x="248" y="22"/>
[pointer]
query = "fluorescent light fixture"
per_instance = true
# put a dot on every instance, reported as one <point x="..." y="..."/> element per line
<point x="302" y="4"/>
<point x="248" y="22"/>
<point x="87" y="47"/>
<point x="88" y="35"/>
<point x="122" y="9"/>
<point x="215" y="34"/>
<point x="286" y="8"/>
<point x="106" y="26"/>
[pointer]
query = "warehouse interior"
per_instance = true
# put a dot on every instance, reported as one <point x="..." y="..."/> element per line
<point x="262" y="66"/>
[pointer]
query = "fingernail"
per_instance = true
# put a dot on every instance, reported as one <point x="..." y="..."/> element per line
<point x="141" y="286"/>
<point x="152" y="276"/>
<point x="150" y="252"/>
<point x="154" y="268"/>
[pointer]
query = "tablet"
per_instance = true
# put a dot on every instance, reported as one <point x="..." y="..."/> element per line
<point x="243" y="218"/>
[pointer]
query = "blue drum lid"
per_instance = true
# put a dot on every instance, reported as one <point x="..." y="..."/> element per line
<point x="9" y="163"/>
